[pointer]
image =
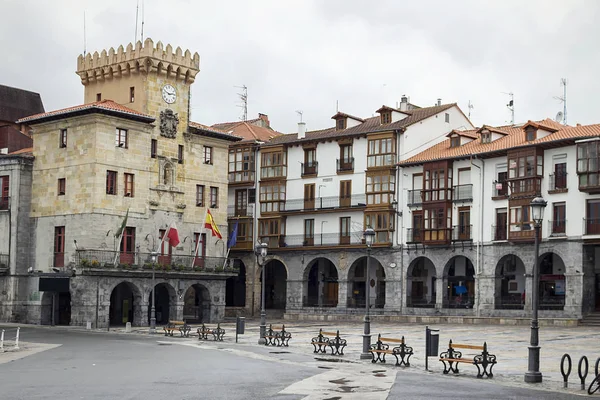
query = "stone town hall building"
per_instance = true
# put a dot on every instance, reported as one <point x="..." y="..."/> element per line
<point x="129" y="150"/>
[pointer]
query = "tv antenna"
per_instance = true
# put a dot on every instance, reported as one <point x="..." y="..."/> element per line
<point x="244" y="106"/>
<point x="142" y="36"/>
<point x="563" y="99"/>
<point x="137" y="13"/>
<point x="84" y="37"/>
<point x="511" y="107"/>
<point x="559" y="116"/>
<point x="299" y="112"/>
<point x="470" y="107"/>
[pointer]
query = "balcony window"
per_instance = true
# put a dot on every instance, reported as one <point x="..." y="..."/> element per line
<point x="382" y="223"/>
<point x="241" y="165"/>
<point x="592" y="220"/>
<point x="525" y="169"/>
<point x="345" y="225"/>
<point x="558" y="224"/>
<point x="309" y="232"/>
<point x="587" y="166"/>
<point x="520" y="218"/>
<point x="272" y="197"/>
<point x="309" y="167"/>
<point x="346" y="161"/>
<point x="381" y="152"/>
<point x="271" y="231"/>
<point x="380" y="188"/>
<point x="558" y="180"/>
<point x="5" y="180"/>
<point x="438" y="182"/>
<point x="273" y="165"/>
<point x="499" y="230"/>
<point x="437" y="222"/>
<point x="121" y="138"/>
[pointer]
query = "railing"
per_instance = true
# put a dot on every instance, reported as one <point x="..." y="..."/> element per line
<point x="310" y="168"/>
<point x="557" y="182"/>
<point x="345" y="164"/>
<point x="355" y="200"/>
<point x="591" y="226"/>
<point x="463" y="193"/>
<point x="233" y="211"/>
<point x="525" y="186"/>
<point x="510" y="302"/>
<point x="499" y="189"/>
<point x="464" y="301"/>
<point x="499" y="232"/>
<point x="415" y="198"/>
<point x="325" y="239"/>
<point x="414" y="235"/>
<point x="4" y="203"/>
<point x="462" y="233"/>
<point x="103" y="259"/>
<point x="558" y="227"/>
<point x="242" y="176"/>
<point x="359" y="302"/>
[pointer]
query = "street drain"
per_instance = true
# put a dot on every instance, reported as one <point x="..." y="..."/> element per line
<point x="279" y="352"/>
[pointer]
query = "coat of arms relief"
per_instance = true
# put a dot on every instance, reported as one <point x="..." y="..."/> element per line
<point x="168" y="123"/>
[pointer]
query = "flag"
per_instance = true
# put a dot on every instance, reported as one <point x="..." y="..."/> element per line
<point x="233" y="236"/>
<point x="209" y="223"/>
<point x="173" y="236"/>
<point x="123" y="225"/>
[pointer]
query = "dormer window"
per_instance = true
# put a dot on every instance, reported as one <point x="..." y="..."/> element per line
<point x="340" y="124"/>
<point x="486" y="137"/>
<point x="530" y="133"/>
<point x="386" y="117"/>
<point x="455" y="141"/>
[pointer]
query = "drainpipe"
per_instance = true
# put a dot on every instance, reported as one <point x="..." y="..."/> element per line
<point x="479" y="250"/>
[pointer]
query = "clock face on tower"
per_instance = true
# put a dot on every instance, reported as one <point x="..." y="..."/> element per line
<point x="169" y="94"/>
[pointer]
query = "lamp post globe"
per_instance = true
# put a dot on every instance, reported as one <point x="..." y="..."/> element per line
<point x="260" y="251"/>
<point x="533" y="374"/>
<point x="369" y="236"/>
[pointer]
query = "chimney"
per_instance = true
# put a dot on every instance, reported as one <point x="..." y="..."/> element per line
<point x="403" y="103"/>
<point x="264" y="118"/>
<point x="439" y="102"/>
<point x="301" y="130"/>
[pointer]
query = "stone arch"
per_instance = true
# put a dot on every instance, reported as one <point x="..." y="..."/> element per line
<point x="552" y="287"/>
<point x="357" y="279"/>
<point x="421" y="279"/>
<point x="196" y="304"/>
<point x="165" y="303"/>
<point x="320" y="283"/>
<point x="459" y="283"/>
<point x="276" y="275"/>
<point x="509" y="283"/>
<point x="235" y="287"/>
<point x="125" y="304"/>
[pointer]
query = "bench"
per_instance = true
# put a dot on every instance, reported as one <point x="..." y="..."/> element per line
<point x="276" y="336"/>
<point x="217" y="333"/>
<point x="481" y="360"/>
<point x="331" y="340"/>
<point x="381" y="348"/>
<point x="181" y="326"/>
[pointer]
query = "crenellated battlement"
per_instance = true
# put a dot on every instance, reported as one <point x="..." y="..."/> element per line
<point x="144" y="59"/>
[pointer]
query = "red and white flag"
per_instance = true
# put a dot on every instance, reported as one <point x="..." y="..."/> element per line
<point x="173" y="236"/>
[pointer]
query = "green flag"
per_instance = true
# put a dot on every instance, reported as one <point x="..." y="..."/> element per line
<point x="123" y="225"/>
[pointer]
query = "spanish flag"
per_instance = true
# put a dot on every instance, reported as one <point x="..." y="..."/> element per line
<point x="209" y="223"/>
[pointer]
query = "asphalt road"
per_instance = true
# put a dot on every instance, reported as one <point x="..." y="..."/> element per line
<point x="92" y="365"/>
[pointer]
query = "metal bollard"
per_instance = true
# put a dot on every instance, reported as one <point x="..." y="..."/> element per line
<point x="17" y="339"/>
<point x="582" y="375"/>
<point x="562" y="369"/>
<point x="2" y="341"/>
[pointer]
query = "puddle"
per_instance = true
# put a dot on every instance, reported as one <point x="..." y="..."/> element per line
<point x="323" y="367"/>
<point x="379" y="370"/>
<point x="279" y="352"/>
<point x="380" y="375"/>
<point x="164" y="344"/>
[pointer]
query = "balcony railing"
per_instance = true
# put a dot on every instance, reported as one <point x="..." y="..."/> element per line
<point x="499" y="190"/>
<point x="558" y="227"/>
<point x="525" y="186"/>
<point x="462" y="233"/>
<point x="414" y="235"/>
<point x="591" y="226"/>
<point x="325" y="239"/>
<point x="310" y="168"/>
<point x="499" y="232"/>
<point x="345" y="164"/>
<point x="241" y="176"/>
<point x="4" y="203"/>
<point x="415" y="198"/>
<point x="233" y="211"/>
<point x="557" y="183"/>
<point x="329" y="202"/>
<point x="103" y="259"/>
<point x="463" y="193"/>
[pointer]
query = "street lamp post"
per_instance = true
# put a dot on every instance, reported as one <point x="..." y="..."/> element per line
<point x="260" y="250"/>
<point x="369" y="236"/>
<point x="152" y="308"/>
<point x="533" y="374"/>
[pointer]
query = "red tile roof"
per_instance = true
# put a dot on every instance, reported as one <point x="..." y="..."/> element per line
<point x="214" y="131"/>
<point x="226" y="126"/>
<point x="99" y="106"/>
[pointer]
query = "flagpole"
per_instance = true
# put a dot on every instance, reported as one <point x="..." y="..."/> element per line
<point x="152" y="301"/>
<point x="199" y="237"/>
<point x="118" y="249"/>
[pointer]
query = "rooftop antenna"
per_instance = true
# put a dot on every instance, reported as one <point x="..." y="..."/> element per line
<point x="299" y="112"/>
<point x="511" y="107"/>
<point x="244" y="98"/>
<point x="142" y="40"/>
<point x="84" y="37"/>
<point x="337" y="108"/>
<point x="470" y="107"/>
<point x="563" y="99"/>
<point x="137" y="12"/>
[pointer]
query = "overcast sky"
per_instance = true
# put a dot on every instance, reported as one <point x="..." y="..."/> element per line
<point x="306" y="55"/>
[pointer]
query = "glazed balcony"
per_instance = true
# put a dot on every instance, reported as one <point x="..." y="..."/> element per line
<point x="325" y="239"/>
<point x="530" y="186"/>
<point x="242" y="177"/>
<point x="233" y="211"/>
<point x="414" y="235"/>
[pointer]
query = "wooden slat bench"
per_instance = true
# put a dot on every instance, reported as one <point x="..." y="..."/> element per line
<point x="481" y="360"/>
<point x="331" y="340"/>
<point x="181" y="326"/>
<point x="217" y="333"/>
<point x="381" y="348"/>
<point x="277" y="336"/>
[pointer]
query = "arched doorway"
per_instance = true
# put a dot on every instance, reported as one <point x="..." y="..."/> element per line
<point x="196" y="307"/>
<point x="357" y="288"/>
<point x="420" y="284"/>
<point x="56" y="308"/>
<point x="235" y="287"/>
<point x="510" y="283"/>
<point x="460" y="283"/>
<point x="124" y="300"/>
<point x="164" y="303"/>
<point x="275" y="285"/>
<point x="552" y="282"/>
<point x="320" y="284"/>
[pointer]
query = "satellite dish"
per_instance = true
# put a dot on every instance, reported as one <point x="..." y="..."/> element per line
<point x="559" y="116"/>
